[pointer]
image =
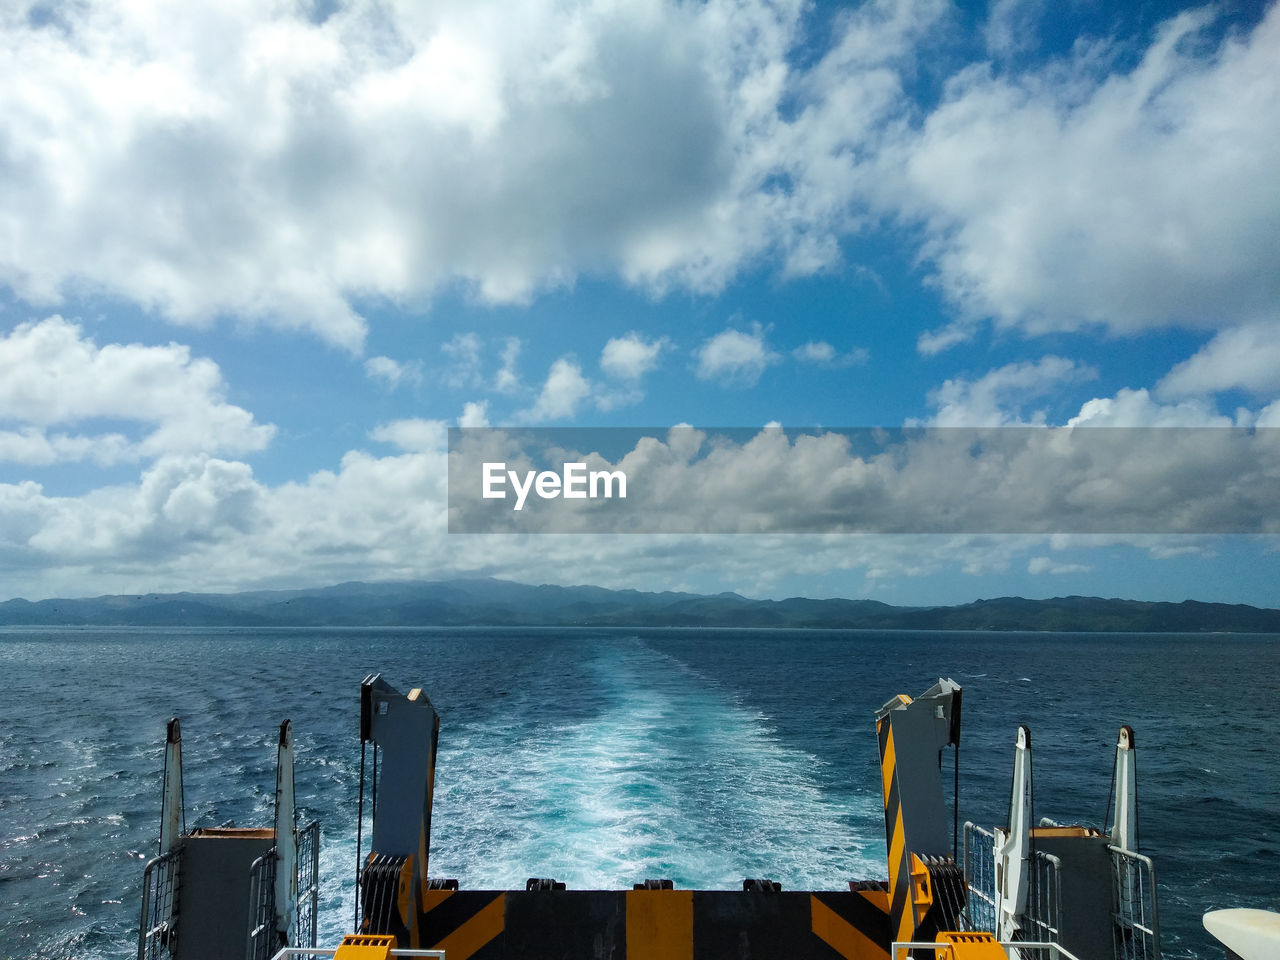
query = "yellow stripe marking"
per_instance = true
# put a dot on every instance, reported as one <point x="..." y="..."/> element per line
<point x="476" y="932"/>
<point x="895" y="854"/>
<point x="896" y="877"/>
<point x="877" y="898"/>
<point x="886" y="765"/>
<point x="659" y="925"/>
<point x="433" y="898"/>
<point x="906" y="926"/>
<point x="402" y="902"/>
<point x="841" y="935"/>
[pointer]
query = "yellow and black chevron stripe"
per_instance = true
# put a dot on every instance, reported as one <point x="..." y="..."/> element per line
<point x="901" y="913"/>
<point x="656" y="924"/>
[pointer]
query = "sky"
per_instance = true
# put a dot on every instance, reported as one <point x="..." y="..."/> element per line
<point x="256" y="257"/>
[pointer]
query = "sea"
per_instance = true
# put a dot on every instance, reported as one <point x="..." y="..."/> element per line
<point x="602" y="757"/>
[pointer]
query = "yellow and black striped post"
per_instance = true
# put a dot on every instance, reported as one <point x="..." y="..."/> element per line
<point x="911" y="734"/>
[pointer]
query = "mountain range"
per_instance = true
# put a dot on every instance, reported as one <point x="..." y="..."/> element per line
<point x="490" y="602"/>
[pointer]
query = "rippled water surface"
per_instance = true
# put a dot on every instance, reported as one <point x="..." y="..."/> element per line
<point x="602" y="757"/>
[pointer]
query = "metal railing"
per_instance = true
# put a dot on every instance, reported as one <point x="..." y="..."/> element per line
<point x="157" y="927"/>
<point x="1019" y="950"/>
<point x="1136" y="926"/>
<point x="979" y="864"/>
<point x="262" y="938"/>
<point x="308" y="883"/>
<point x="1043" y="919"/>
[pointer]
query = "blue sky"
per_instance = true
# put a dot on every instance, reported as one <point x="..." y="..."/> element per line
<point x="256" y="256"/>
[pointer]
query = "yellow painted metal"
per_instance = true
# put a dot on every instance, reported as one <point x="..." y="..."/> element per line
<point x="476" y="932"/>
<point x="887" y="764"/>
<point x="921" y="889"/>
<point x="433" y="898"/>
<point x="659" y="924"/>
<point x="841" y="935"/>
<point x="970" y="945"/>
<point x="404" y="885"/>
<point x="363" y="946"/>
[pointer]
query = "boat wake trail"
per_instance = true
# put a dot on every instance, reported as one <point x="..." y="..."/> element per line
<point x="669" y="776"/>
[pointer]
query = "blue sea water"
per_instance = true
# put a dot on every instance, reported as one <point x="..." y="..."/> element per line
<point x="602" y="757"/>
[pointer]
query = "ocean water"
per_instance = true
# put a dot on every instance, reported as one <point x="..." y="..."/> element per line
<point x="602" y="757"/>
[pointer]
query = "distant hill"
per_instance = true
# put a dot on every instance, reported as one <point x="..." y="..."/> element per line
<point x="491" y="602"/>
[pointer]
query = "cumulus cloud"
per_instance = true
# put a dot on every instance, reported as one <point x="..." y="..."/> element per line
<point x="1011" y="26"/>
<point x="999" y="397"/>
<point x="207" y="159"/>
<point x="1136" y="408"/>
<point x="822" y="354"/>
<point x="563" y="390"/>
<point x="463" y="353"/>
<point x="1246" y="356"/>
<point x="1269" y="416"/>
<point x="631" y="356"/>
<point x="508" y="377"/>
<point x="196" y="522"/>
<point x="941" y="480"/>
<point x="53" y="375"/>
<point x="1039" y="565"/>
<point x="1077" y="196"/>
<point x="733" y="357"/>
<point x="392" y="374"/>
<point x="414" y="435"/>
<point x="180" y="504"/>
<point x="474" y="415"/>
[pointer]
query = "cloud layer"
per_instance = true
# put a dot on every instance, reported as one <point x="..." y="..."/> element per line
<point x="1078" y="196"/>
<point x="54" y="379"/>
<point x="244" y="159"/>
<point x="937" y="480"/>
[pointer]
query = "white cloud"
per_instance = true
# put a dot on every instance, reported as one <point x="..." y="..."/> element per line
<point x="1247" y="356"/>
<point x="993" y="480"/>
<point x="1135" y="408"/>
<point x="733" y="357"/>
<point x="508" y="378"/>
<point x="209" y="525"/>
<point x="413" y="435"/>
<point x="999" y="397"/>
<point x="631" y="356"/>
<point x="51" y="375"/>
<point x="1039" y="565"/>
<point x="931" y="342"/>
<point x="35" y="446"/>
<point x="474" y="415"/>
<point x="463" y="351"/>
<point x="1076" y="196"/>
<point x="181" y="504"/>
<point x="392" y="374"/>
<point x="564" y="388"/>
<point x="206" y="158"/>
<point x="823" y="354"/>
<point x="202" y="523"/>
<point x="1011" y="26"/>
